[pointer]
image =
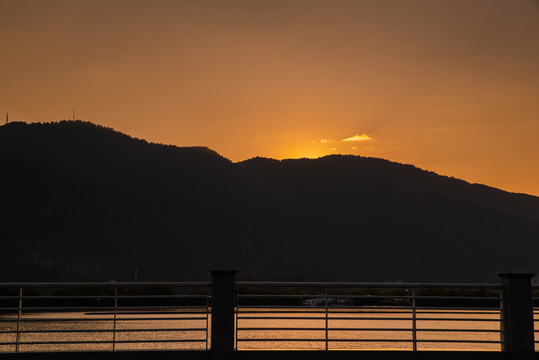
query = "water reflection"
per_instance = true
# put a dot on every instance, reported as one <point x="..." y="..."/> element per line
<point x="365" y="329"/>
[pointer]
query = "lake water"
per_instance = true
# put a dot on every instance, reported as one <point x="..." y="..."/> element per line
<point x="170" y="327"/>
<point x="385" y="325"/>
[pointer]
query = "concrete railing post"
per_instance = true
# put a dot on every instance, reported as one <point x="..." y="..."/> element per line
<point x="517" y="313"/>
<point x="223" y="303"/>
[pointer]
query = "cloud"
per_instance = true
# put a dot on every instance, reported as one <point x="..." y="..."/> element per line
<point x="323" y="141"/>
<point x="361" y="137"/>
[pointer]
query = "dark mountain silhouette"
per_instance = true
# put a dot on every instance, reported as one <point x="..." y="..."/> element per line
<point x="83" y="202"/>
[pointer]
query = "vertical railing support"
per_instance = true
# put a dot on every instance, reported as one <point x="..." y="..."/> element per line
<point x="115" y="319"/>
<point x="414" y="321"/>
<point x="223" y="300"/>
<point x="327" y="319"/>
<point x="517" y="313"/>
<point x="207" y="322"/>
<point x="19" y="317"/>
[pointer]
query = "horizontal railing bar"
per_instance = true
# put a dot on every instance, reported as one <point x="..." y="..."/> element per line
<point x="438" y="297"/>
<point x="163" y="307"/>
<point x="369" y="285"/>
<point x="119" y="318"/>
<point x="77" y="297"/>
<point x="451" y="309"/>
<point x="251" y="318"/>
<point x="460" y="341"/>
<point x="367" y="329"/>
<point x="319" y="329"/>
<point x="330" y="296"/>
<point x="249" y="329"/>
<point x="242" y="311"/>
<point x="382" y="308"/>
<point x="371" y="340"/>
<point x="158" y="341"/>
<point x="161" y="330"/>
<point x="457" y="319"/>
<point x="317" y="309"/>
<point x="417" y="319"/>
<point x="318" y="318"/>
<point x="279" y="318"/>
<point x="106" y="310"/>
<point x="322" y="310"/>
<point x="102" y="330"/>
<point x="47" y="343"/>
<point x="323" y="297"/>
<point x="160" y="307"/>
<point x="314" y="308"/>
<point x="324" y="340"/>
<point x="279" y="329"/>
<point x="106" y="319"/>
<point x="88" y="308"/>
<point x="331" y="308"/>
<point x="418" y="340"/>
<point x="461" y="330"/>
<point x="177" y="296"/>
<point x="456" y="309"/>
<point x="280" y="340"/>
<point x="172" y="311"/>
<point x="65" y="308"/>
<point x="103" y="342"/>
<point x="255" y="311"/>
<point x="110" y="284"/>
<point x="180" y="296"/>
<point x="482" y="312"/>
<point x="417" y="330"/>
<point x="62" y="297"/>
<point x="360" y="318"/>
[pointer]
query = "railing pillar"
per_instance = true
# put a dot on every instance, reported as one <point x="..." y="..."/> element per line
<point x="517" y="313"/>
<point x="223" y="303"/>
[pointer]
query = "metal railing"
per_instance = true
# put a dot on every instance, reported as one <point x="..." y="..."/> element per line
<point x="535" y="298"/>
<point x="104" y="316"/>
<point x="329" y="316"/>
<point x="118" y="316"/>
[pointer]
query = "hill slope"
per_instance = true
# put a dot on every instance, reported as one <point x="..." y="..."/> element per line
<point x="80" y="201"/>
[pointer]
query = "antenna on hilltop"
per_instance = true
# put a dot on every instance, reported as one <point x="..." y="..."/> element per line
<point x="73" y="115"/>
<point x="7" y="117"/>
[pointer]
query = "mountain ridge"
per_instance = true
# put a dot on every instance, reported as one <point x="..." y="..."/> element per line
<point x="83" y="201"/>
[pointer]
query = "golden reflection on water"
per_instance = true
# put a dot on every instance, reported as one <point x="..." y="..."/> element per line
<point x="358" y="330"/>
<point x="361" y="329"/>
<point x="133" y="332"/>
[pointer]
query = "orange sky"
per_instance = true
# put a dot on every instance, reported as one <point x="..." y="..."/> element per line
<point x="451" y="86"/>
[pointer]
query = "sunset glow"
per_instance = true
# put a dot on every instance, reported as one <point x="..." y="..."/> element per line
<point x="362" y="137"/>
<point x="449" y="86"/>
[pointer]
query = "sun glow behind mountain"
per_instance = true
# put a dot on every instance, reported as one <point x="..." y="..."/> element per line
<point x="356" y="145"/>
<point x="449" y="86"/>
